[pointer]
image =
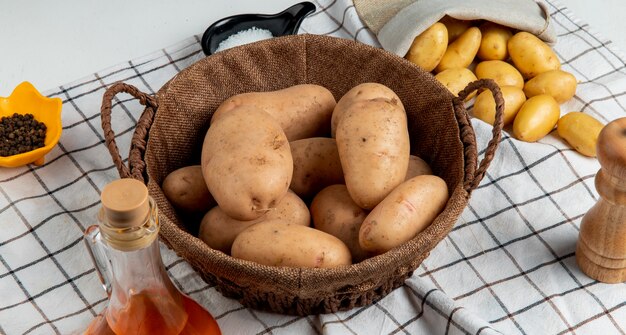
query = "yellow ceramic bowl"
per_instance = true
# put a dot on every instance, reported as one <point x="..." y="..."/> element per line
<point x="26" y="99"/>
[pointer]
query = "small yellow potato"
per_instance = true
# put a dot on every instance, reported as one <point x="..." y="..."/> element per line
<point x="334" y="212"/>
<point x="417" y="167"/>
<point x="362" y="92"/>
<point x="493" y="45"/>
<point x="428" y="47"/>
<point x="462" y="51"/>
<point x="454" y="27"/>
<point x="186" y="190"/>
<point x="503" y="73"/>
<point x="302" y="110"/>
<point x="531" y="56"/>
<point x="405" y="212"/>
<point x="485" y="105"/>
<point x="278" y="243"/>
<point x="456" y="79"/>
<point x="581" y="131"/>
<point x="247" y="169"/>
<point x="373" y="145"/>
<point x="316" y="165"/>
<point x="559" y="84"/>
<point x="218" y="230"/>
<point x="536" y="118"/>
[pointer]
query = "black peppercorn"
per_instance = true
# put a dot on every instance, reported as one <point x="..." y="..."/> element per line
<point x="20" y="133"/>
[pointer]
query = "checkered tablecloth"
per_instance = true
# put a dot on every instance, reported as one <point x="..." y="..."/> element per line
<point x="507" y="267"/>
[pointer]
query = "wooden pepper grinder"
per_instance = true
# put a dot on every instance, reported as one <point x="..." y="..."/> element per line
<point x="601" y="248"/>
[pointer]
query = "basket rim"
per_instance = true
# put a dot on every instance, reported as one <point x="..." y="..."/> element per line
<point x="418" y="240"/>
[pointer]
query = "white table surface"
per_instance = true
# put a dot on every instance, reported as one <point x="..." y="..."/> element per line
<point x="50" y="43"/>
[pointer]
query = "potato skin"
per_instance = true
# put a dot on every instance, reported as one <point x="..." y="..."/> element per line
<point x="334" y="212"/>
<point x="417" y="167"/>
<point x="581" y="131"/>
<point x="316" y="165"/>
<point x="362" y="92"/>
<point x="462" y="51"/>
<point x="247" y="169"/>
<point x="302" y="110"/>
<point x="373" y="145"/>
<point x="456" y="79"/>
<point x="536" y="118"/>
<point x="559" y="84"/>
<point x="493" y="45"/>
<point x="186" y="190"/>
<point x="503" y="73"/>
<point x="428" y="47"/>
<point x="455" y="27"/>
<point x="278" y="243"/>
<point x="218" y="230"/>
<point x="485" y="105"/>
<point x="531" y="55"/>
<point x="405" y="212"/>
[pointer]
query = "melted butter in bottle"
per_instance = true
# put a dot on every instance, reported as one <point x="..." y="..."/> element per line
<point x="142" y="299"/>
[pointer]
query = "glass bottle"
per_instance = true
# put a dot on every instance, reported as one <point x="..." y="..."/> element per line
<point x="125" y="249"/>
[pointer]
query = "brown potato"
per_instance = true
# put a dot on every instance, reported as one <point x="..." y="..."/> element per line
<point x="462" y="51"/>
<point x="456" y="79"/>
<point x="503" y="73"/>
<point x="536" y="118"/>
<point x="531" y="55"/>
<point x="302" y="110"/>
<point x="218" y="230"/>
<point x="454" y="27"/>
<point x="408" y="210"/>
<point x="334" y="212"/>
<point x="581" y="131"/>
<point x="278" y="243"/>
<point x="186" y="190"/>
<point x="485" y="104"/>
<point x="428" y="47"/>
<point x="373" y="145"/>
<point x="362" y="92"/>
<point x="493" y="45"/>
<point x="559" y="84"/>
<point x="247" y="169"/>
<point x="316" y="165"/>
<point x="417" y="167"/>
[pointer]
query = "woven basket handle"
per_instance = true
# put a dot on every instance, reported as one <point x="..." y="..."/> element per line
<point x="136" y="165"/>
<point x="474" y="175"/>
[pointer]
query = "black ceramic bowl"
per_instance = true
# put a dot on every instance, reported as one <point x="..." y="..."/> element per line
<point x="286" y="22"/>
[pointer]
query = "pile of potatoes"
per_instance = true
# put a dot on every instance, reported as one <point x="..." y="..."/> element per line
<point x="294" y="178"/>
<point x="526" y="69"/>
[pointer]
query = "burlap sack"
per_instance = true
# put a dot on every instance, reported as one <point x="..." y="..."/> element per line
<point x="170" y="132"/>
<point x="396" y="23"/>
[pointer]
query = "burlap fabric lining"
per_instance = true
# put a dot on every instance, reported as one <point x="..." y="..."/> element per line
<point x="396" y="23"/>
<point x="170" y="132"/>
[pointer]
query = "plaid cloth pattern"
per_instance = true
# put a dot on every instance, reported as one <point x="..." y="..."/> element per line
<point x="507" y="267"/>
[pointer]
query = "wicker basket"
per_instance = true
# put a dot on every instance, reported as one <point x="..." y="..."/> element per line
<point x="170" y="132"/>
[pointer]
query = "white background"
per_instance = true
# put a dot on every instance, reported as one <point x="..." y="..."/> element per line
<point x="50" y="43"/>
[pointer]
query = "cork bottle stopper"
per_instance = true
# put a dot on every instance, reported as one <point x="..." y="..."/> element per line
<point x="125" y="203"/>
<point x="612" y="149"/>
